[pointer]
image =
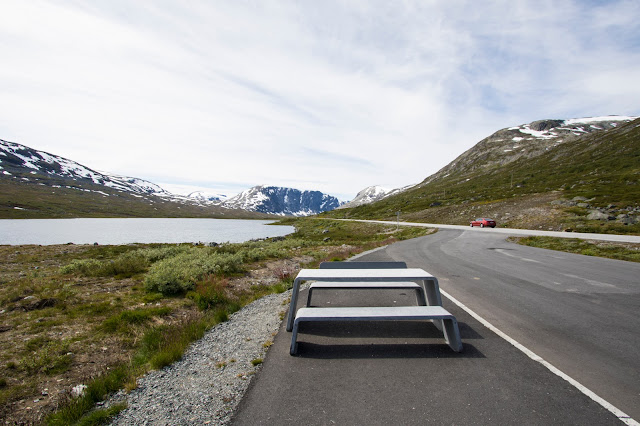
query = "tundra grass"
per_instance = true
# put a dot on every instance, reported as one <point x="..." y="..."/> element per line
<point x="620" y="251"/>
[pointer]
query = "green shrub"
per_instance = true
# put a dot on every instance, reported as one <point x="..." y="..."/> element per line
<point x="125" y="265"/>
<point x="153" y="255"/>
<point x="88" y="267"/>
<point x="179" y="274"/>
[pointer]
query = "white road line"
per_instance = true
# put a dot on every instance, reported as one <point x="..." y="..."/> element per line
<point x="588" y="392"/>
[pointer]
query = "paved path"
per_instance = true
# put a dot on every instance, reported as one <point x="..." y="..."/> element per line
<point x="383" y="373"/>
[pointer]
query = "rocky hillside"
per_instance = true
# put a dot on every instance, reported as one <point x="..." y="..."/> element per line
<point x="581" y="179"/>
<point x="525" y="141"/>
<point x="282" y="201"/>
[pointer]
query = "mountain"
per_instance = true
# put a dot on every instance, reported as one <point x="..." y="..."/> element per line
<point x="372" y="194"/>
<point x="282" y="201"/>
<point x="366" y="196"/>
<point x="204" y="196"/>
<point x="503" y="147"/>
<point x="38" y="184"/>
<point x="549" y="174"/>
<point x="27" y="164"/>
<point x="525" y="141"/>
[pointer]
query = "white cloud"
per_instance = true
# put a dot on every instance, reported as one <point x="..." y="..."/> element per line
<point x="333" y="96"/>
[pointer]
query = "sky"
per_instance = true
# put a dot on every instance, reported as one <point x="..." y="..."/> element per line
<point x="333" y="96"/>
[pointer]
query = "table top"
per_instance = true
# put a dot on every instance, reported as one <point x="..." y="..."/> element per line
<point x="363" y="274"/>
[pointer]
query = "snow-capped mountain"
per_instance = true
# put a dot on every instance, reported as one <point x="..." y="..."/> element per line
<point x="371" y="194"/>
<point x="525" y="141"/>
<point x="24" y="165"/>
<point x="205" y="196"/>
<point x="282" y="201"/>
<point x="27" y="164"/>
<point x="366" y="196"/>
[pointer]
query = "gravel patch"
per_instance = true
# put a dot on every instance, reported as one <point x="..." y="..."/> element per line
<point x="207" y="384"/>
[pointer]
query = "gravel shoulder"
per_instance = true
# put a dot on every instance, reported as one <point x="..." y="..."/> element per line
<point x="206" y="386"/>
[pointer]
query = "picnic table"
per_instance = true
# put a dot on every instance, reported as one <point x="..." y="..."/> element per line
<point x="372" y="278"/>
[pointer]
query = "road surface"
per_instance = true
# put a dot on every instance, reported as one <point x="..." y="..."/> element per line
<point x="578" y="313"/>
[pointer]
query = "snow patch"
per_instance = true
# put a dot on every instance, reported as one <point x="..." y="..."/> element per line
<point x="588" y="120"/>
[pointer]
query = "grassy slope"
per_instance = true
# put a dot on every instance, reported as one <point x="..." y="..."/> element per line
<point x="604" y="166"/>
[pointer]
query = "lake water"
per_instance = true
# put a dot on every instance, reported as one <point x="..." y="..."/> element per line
<point x="126" y="231"/>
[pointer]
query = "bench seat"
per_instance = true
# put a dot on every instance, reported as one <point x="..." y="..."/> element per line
<point x="324" y="285"/>
<point x="384" y="313"/>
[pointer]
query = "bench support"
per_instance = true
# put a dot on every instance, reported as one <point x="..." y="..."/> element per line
<point x="393" y="313"/>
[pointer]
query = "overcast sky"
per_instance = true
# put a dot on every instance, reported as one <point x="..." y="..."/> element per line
<point x="312" y="94"/>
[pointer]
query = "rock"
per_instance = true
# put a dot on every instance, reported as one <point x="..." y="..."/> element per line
<point x="584" y="205"/>
<point x="580" y="199"/>
<point x="597" y="215"/>
<point x="542" y="125"/>
<point x="40" y="304"/>
<point x="627" y="219"/>
<point x="563" y="203"/>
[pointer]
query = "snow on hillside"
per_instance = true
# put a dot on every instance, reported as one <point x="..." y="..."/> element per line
<point x="20" y="157"/>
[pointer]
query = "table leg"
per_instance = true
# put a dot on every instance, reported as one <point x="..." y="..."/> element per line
<point x="293" y="304"/>
<point x="432" y="289"/>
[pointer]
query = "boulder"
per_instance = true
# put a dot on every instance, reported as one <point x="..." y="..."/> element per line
<point x="597" y="215"/>
<point x="627" y="219"/>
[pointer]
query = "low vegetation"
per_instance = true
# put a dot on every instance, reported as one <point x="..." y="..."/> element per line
<point x="102" y="316"/>
<point x="620" y="251"/>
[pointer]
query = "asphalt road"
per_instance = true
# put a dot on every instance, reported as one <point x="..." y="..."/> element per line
<point x="578" y="313"/>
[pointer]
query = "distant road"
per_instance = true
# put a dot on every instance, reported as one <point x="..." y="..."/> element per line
<point x="579" y="313"/>
<point x="517" y="232"/>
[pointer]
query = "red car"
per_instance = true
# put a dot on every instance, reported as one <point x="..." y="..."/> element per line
<point x="482" y="222"/>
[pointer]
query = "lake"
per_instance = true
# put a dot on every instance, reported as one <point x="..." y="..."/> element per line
<point x="126" y="231"/>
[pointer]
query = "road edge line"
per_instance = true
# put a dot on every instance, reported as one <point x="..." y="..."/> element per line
<point x="622" y="416"/>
